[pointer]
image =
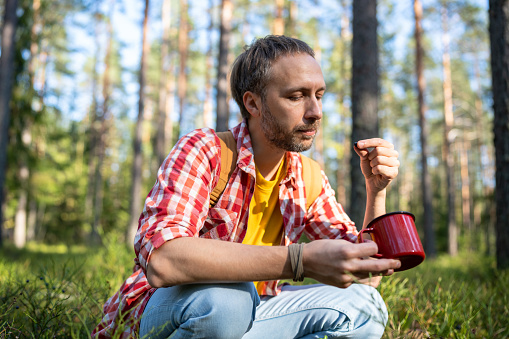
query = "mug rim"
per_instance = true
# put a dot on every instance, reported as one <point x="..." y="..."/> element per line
<point x="387" y="214"/>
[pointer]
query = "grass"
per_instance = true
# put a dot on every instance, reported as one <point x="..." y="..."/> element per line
<point x="462" y="297"/>
<point x="58" y="292"/>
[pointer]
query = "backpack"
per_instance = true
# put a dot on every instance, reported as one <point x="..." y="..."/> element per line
<point x="311" y="170"/>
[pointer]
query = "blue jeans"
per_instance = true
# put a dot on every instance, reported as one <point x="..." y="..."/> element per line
<point x="236" y="311"/>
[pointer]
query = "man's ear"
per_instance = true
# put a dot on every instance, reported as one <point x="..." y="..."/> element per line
<point x="252" y="102"/>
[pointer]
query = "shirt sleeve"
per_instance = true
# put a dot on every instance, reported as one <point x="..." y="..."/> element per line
<point x="178" y="203"/>
<point x="326" y="218"/>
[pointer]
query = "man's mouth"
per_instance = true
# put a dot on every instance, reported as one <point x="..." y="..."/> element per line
<point x="309" y="132"/>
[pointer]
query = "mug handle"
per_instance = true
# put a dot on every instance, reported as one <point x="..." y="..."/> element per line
<point x="368" y="230"/>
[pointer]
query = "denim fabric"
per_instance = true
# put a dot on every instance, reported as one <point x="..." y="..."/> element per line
<point x="235" y="311"/>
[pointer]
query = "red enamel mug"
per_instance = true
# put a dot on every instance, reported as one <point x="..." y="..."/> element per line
<point x="397" y="238"/>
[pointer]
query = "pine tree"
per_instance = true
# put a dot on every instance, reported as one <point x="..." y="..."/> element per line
<point x="364" y="95"/>
<point x="137" y="140"/>
<point x="222" y="110"/>
<point x="429" y="236"/>
<point x="9" y="25"/>
<point x="499" y="37"/>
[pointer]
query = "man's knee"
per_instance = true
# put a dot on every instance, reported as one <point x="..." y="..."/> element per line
<point x="224" y="311"/>
<point x="364" y="308"/>
<point x="371" y="312"/>
<point x="213" y="310"/>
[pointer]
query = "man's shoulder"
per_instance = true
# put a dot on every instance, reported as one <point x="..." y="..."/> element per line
<point x="199" y="138"/>
<point x="200" y="132"/>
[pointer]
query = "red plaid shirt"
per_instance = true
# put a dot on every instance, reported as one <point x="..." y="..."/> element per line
<point x="178" y="206"/>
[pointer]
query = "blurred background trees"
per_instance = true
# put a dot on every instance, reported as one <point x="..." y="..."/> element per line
<point x="82" y="97"/>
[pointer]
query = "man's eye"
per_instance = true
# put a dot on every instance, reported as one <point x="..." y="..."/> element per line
<point x="295" y="98"/>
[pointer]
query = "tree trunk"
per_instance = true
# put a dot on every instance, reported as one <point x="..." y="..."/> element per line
<point x="183" y="46"/>
<point x="27" y="210"/>
<point x="8" y="45"/>
<point x="23" y="171"/>
<point x="93" y="132"/>
<point x="222" y="110"/>
<point x="364" y="95"/>
<point x="34" y="46"/>
<point x="481" y="142"/>
<point x="164" y="135"/>
<point x="465" y="191"/>
<point x="207" y="103"/>
<point x="20" y="219"/>
<point x="429" y="234"/>
<point x="32" y="220"/>
<point x="318" y="155"/>
<point x="279" y="23"/>
<point x="292" y="18"/>
<point x="448" y="124"/>
<point x="95" y="235"/>
<point x="499" y="37"/>
<point x="138" y="156"/>
<point x="346" y="39"/>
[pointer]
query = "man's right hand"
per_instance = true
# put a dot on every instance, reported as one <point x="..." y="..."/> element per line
<point x="341" y="263"/>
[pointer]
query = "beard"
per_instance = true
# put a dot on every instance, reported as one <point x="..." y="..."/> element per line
<point x="280" y="137"/>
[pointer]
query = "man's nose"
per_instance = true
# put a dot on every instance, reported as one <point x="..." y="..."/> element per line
<point x="314" y="109"/>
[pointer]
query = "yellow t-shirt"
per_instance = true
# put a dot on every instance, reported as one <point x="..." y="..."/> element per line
<point x="265" y="223"/>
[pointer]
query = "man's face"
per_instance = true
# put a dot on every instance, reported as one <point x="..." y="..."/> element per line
<point x="292" y="106"/>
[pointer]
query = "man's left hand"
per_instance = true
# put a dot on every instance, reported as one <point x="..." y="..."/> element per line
<point x="379" y="162"/>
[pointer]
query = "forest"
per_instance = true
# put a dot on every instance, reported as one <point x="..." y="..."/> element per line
<point x="94" y="94"/>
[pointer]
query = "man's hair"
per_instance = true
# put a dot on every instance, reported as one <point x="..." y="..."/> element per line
<point x="251" y="71"/>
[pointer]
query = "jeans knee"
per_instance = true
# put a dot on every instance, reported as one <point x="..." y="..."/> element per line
<point x="372" y="312"/>
<point x="222" y="311"/>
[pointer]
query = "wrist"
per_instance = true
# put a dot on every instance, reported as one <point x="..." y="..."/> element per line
<point x="375" y="205"/>
<point x="305" y="260"/>
<point x="376" y="193"/>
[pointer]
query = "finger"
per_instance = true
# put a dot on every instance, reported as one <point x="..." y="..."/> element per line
<point x="384" y="161"/>
<point x="387" y="272"/>
<point x="385" y="171"/>
<point x="378" y="266"/>
<point x="374" y="142"/>
<point x="358" y="250"/>
<point x="362" y="277"/>
<point x="383" y="151"/>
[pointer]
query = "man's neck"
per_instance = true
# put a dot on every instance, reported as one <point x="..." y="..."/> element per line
<point x="267" y="157"/>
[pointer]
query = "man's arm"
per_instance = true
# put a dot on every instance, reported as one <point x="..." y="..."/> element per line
<point x="335" y="262"/>
<point x="195" y="260"/>
<point x="380" y="167"/>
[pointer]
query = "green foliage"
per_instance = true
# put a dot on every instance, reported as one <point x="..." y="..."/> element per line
<point x="462" y="297"/>
<point x="61" y="146"/>
<point x="58" y="291"/>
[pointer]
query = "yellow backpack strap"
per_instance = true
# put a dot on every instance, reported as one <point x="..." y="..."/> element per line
<point x="312" y="174"/>
<point x="228" y="163"/>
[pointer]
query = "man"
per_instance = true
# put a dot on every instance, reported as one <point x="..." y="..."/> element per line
<point x="196" y="265"/>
